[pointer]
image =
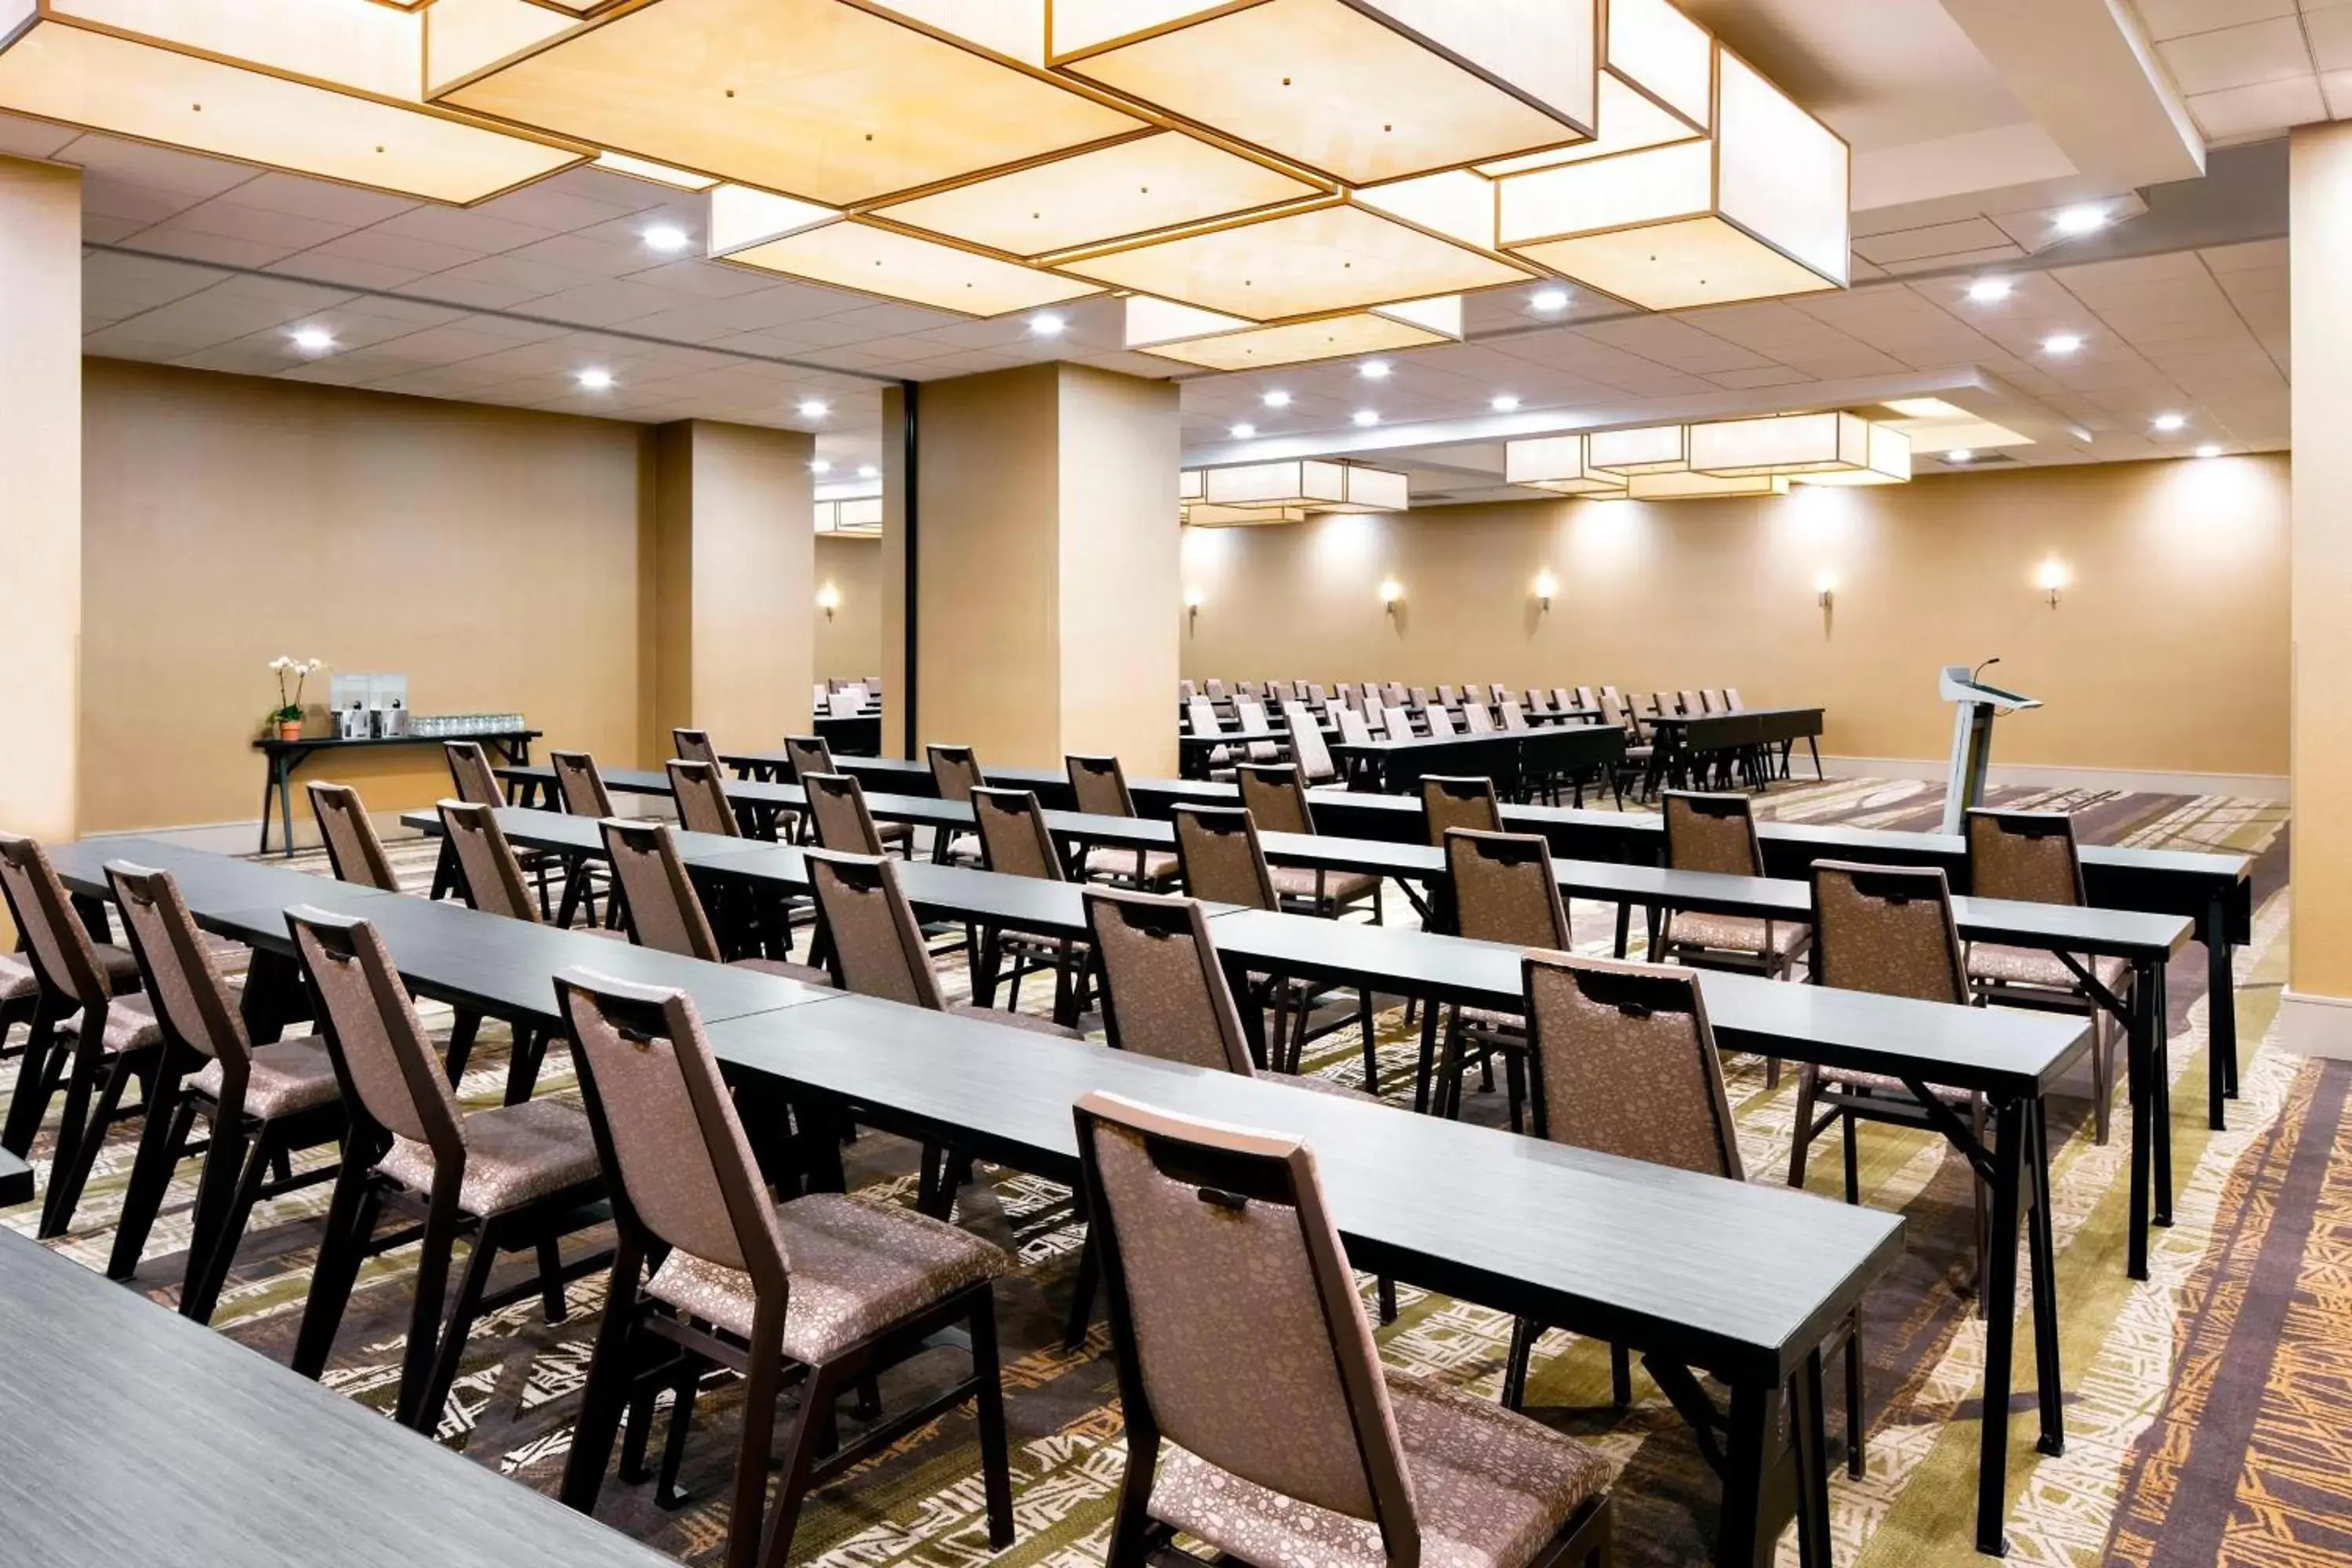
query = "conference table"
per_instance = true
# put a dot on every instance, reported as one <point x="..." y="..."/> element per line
<point x="134" y="1436"/>
<point x="1633" y="1253"/>
<point x="1745" y="732"/>
<point x="2213" y="889"/>
<point x="1516" y="760"/>
<point x="2145" y="942"/>
<point x="2014" y="1058"/>
<point x="15" y="1180"/>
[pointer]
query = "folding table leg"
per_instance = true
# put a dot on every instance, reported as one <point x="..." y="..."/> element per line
<point x="1999" y="1302"/>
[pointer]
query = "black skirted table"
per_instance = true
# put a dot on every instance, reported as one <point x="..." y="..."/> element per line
<point x="286" y="759"/>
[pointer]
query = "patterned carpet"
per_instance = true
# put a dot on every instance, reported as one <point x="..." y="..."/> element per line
<point x="2207" y="1408"/>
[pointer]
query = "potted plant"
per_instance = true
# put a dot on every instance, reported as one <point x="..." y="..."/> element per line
<point x="287" y="714"/>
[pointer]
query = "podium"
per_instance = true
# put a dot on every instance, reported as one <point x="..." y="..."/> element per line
<point x="1978" y="704"/>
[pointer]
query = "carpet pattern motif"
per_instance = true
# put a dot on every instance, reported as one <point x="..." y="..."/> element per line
<point x="2207" y="1408"/>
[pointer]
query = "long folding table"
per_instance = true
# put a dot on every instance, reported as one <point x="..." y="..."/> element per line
<point x="2015" y="1059"/>
<point x="1516" y="760"/>
<point x="1752" y="731"/>
<point x="134" y="1436"/>
<point x="1744" y="1281"/>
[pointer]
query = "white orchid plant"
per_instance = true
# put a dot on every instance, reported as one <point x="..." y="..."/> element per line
<point x="289" y="708"/>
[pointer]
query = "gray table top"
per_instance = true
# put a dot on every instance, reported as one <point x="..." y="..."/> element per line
<point x="136" y="1437"/>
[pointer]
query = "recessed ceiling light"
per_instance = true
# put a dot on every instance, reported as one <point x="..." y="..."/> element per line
<point x="1276" y="399"/>
<point x="1243" y="431"/>
<point x="1985" y="290"/>
<point x="2080" y="220"/>
<point x="869" y="471"/>
<point x="2169" y="423"/>
<point x="595" y="380"/>
<point x="1367" y="416"/>
<point x="1504" y="402"/>
<point x="1960" y="455"/>
<point x="2063" y="343"/>
<point x="2080" y="433"/>
<point x="2208" y="450"/>
<point x="1548" y="300"/>
<point x="313" y="339"/>
<point x="1373" y="370"/>
<point x="814" y="408"/>
<point x="1048" y="325"/>
<point x="820" y="465"/>
<point x="667" y="237"/>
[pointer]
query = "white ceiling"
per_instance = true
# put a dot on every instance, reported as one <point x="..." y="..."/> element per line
<point x="202" y="263"/>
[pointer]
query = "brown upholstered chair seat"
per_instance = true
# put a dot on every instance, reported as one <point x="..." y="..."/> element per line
<point x="1738" y="933"/>
<point x="1315" y="1083"/>
<point x="120" y="963"/>
<point x="1340" y="887"/>
<point x="130" y="1024"/>
<point x="515" y="1155"/>
<point x="898" y="833"/>
<point x="1887" y="1084"/>
<point x="1492" y="1488"/>
<point x="2035" y="967"/>
<point x="784" y="969"/>
<point x="284" y="1077"/>
<point x="857" y="1266"/>
<point x="1489" y="1018"/>
<point x="1107" y="860"/>
<point x="17" y="980"/>
<point x="1035" y="1024"/>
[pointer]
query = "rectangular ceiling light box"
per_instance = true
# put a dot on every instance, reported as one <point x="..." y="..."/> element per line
<point x="1559" y="464"/>
<point x="1361" y="90"/>
<point x="57" y="70"/>
<point x="1300" y="343"/>
<point x="1329" y="259"/>
<point x="1795" y="444"/>
<point x="870" y="259"/>
<point x="1699" y="487"/>
<point x="1307" y="482"/>
<point x="1650" y="449"/>
<point x="1756" y="211"/>
<point x="813" y="98"/>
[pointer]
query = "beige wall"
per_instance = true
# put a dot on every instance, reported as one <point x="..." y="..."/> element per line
<point x="2321" y="242"/>
<point x="2168" y="653"/>
<point x="40" y="514"/>
<point x="504" y="559"/>
<point x="849" y="643"/>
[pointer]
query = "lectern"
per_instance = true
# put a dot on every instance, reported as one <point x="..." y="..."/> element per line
<point x="1977" y="705"/>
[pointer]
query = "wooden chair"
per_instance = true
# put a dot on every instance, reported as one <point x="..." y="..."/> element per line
<point x="1100" y="784"/>
<point x="515" y="1178"/>
<point x="956" y="773"/>
<point x="812" y="755"/>
<point x="1503" y="890"/>
<point x="353" y="850"/>
<point x="260" y="1104"/>
<point x="663" y="909"/>
<point x="1277" y="802"/>
<point x="1238" y="1330"/>
<point x="1013" y="842"/>
<point x="1621" y="1060"/>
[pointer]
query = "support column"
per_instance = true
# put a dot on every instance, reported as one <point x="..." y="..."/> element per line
<point x="2316" y="1012"/>
<point x="1045" y="566"/>
<point x="40" y="521"/>
<point x="731" y="601"/>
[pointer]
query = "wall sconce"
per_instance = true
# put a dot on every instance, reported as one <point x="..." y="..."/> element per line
<point x="2052" y="576"/>
<point x="828" y="599"/>
<point x="1824" y="589"/>
<point x="1391" y="593"/>
<point x="1191" y="604"/>
<point x="1546" y="585"/>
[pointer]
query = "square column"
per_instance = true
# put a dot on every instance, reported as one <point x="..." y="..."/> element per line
<point x="1046" y="567"/>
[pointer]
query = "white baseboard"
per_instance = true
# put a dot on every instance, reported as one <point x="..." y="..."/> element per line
<point x="2315" y="1026"/>
<point x="2240" y="786"/>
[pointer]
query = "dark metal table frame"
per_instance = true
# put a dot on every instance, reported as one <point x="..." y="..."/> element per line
<point x="285" y="759"/>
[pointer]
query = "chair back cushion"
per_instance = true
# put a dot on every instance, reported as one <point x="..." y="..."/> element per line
<point x="808" y="754"/>
<point x="489" y="876"/>
<point x="701" y="796"/>
<point x="579" y="787"/>
<point x="876" y="941"/>
<point x="1100" y="786"/>
<point x="1307" y="745"/>
<point x="190" y="997"/>
<point x="2025" y="855"/>
<point x="1274" y="799"/>
<point x="1712" y="833"/>
<point x="1503" y="889"/>
<point x="1013" y="836"/>
<point x="1887" y="929"/>
<point x="695" y="746"/>
<point x="1624" y="1063"/>
<point x="1447" y="803"/>
<point x="382" y="1057"/>
<point x="836" y="804"/>
<point x="1217" y="847"/>
<point x="352" y="848"/>
<point x="665" y="911"/>
<point x="956" y="771"/>
<point x="470" y="771"/>
<point x="63" y="955"/>
<point x="1166" y="995"/>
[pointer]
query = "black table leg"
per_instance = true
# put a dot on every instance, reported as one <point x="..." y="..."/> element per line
<point x="2001" y="1326"/>
<point x="1816" y="750"/>
<point x="1749" y="1438"/>
<point x="2043" y="1253"/>
<point x="2221" y="1013"/>
<point x="1811" y="1442"/>
<point x="2160" y="1087"/>
<point x="286" y="807"/>
<point x="1624" y="927"/>
<point x="2141" y="1075"/>
<point x="273" y="995"/>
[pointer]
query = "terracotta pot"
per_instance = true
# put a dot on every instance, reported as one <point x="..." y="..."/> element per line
<point x="290" y="730"/>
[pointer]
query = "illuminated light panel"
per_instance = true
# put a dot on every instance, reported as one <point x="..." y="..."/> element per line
<point x="1201" y="514"/>
<point x="1189" y="484"/>
<point x="1658" y="87"/>
<point x="1151" y="321"/>
<point x="1329" y="258"/>
<point x="1162" y="181"/>
<point x="1559" y="464"/>
<point x="1927" y="408"/>
<point x="1650" y="449"/>
<point x="1441" y="315"/>
<point x="1630" y="121"/>
<point x="1307" y="482"/>
<point x="350" y="44"/>
<point x="1799" y="444"/>
<point x="95" y="80"/>
<point x="462" y="37"/>
<point x="1347" y="89"/>
<point x="1458" y="204"/>
<point x="873" y="260"/>
<point x="813" y="98"/>
<point x="741" y="217"/>
<point x="1013" y="28"/>
<point x="1694" y="486"/>
<point x="860" y="517"/>
<point x="658" y="174"/>
<point x="1758" y="211"/>
<point x="1300" y="343"/>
